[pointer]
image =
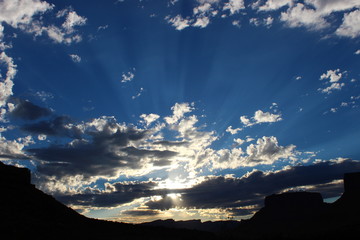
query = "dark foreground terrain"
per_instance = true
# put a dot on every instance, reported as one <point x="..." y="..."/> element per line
<point x="28" y="213"/>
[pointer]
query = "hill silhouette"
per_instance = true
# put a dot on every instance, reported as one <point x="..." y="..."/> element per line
<point x="26" y="213"/>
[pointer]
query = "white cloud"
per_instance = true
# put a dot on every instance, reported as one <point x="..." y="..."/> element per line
<point x="233" y="131"/>
<point x="178" y="22"/>
<point x="357" y="52"/>
<point x="302" y="16"/>
<point x="333" y="77"/>
<point x="17" y="12"/>
<point x="26" y="15"/>
<point x="202" y="22"/>
<point x="179" y="109"/>
<point x="7" y="84"/>
<point x="13" y="149"/>
<point x="73" y="20"/>
<point x="266" y="117"/>
<point x="127" y="77"/>
<point x="271" y="5"/>
<point x="327" y="7"/>
<point x="149" y="118"/>
<point x="261" y="117"/>
<point x="75" y="58"/>
<point x="350" y="26"/>
<point x="236" y="23"/>
<point x="265" y="151"/>
<point x="239" y="141"/>
<point x="234" y="6"/>
<point x="204" y="8"/>
<point x="298" y="78"/>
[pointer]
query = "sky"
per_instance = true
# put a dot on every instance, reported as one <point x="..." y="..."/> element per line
<point x="136" y="110"/>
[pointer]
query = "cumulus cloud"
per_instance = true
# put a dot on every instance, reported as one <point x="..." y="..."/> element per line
<point x="301" y="16"/>
<point x="350" y="26"/>
<point x="234" y="6"/>
<point x="14" y="149"/>
<point x="21" y="12"/>
<point x="271" y="5"/>
<point x="233" y="131"/>
<point x="178" y="22"/>
<point x="266" y="151"/>
<point x="179" y="109"/>
<point x="260" y="117"/>
<point x="149" y="118"/>
<point x="333" y="78"/>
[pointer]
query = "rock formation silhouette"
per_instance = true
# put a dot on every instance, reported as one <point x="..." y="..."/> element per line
<point x="26" y="212"/>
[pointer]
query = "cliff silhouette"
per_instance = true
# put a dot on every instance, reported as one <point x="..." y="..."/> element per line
<point x="26" y="212"/>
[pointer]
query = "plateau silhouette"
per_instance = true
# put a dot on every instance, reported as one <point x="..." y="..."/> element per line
<point x="28" y="213"/>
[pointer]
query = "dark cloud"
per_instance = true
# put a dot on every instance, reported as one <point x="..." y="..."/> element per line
<point x="222" y="192"/>
<point x="123" y="193"/>
<point x="239" y="195"/>
<point x="61" y="126"/>
<point x="140" y="213"/>
<point x="27" y="110"/>
<point x="171" y="143"/>
<point x="101" y="153"/>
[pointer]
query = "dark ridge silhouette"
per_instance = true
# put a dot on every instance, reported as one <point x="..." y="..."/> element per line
<point x="304" y="215"/>
<point x="28" y="213"/>
<point x="208" y="226"/>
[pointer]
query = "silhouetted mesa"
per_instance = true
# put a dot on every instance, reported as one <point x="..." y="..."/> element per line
<point x="352" y="183"/>
<point x="28" y="213"/>
<point x="11" y="175"/>
<point x="290" y="206"/>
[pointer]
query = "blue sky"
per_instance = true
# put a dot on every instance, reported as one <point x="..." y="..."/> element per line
<point x="139" y="110"/>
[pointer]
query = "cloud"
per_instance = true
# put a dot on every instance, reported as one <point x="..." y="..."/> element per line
<point x="102" y="147"/>
<point x="128" y="77"/>
<point x="260" y="117"/>
<point x="271" y="5"/>
<point x="43" y="96"/>
<point x="178" y="22"/>
<point x="75" y="58"/>
<point x="26" y="15"/>
<point x="7" y="84"/>
<point x="179" y="109"/>
<point x="350" y="26"/>
<point x="149" y="118"/>
<point x="357" y="52"/>
<point x="266" y="151"/>
<point x="72" y="19"/>
<point x="202" y="22"/>
<point x="138" y="94"/>
<point x="333" y="77"/>
<point x="14" y="149"/>
<point x="301" y="16"/>
<point x="250" y="189"/>
<point x="233" y="131"/>
<point x="21" y="12"/>
<point x="59" y="126"/>
<point x="234" y="6"/>
<point x="28" y="111"/>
